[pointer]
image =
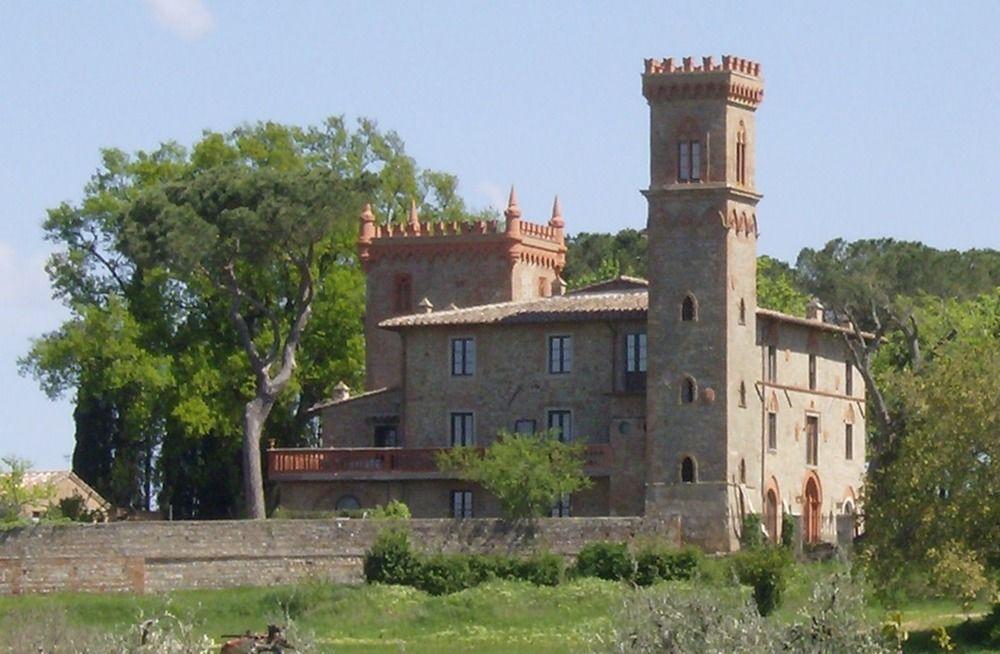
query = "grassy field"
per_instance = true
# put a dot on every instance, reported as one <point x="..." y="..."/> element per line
<point x="492" y="618"/>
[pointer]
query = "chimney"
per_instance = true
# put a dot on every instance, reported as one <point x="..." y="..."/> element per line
<point x="341" y="392"/>
<point x="815" y="310"/>
<point x="425" y="306"/>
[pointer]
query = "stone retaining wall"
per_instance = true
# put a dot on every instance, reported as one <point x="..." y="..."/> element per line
<point x="151" y="557"/>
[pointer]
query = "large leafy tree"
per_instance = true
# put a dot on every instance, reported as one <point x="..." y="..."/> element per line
<point x="192" y="276"/>
<point x="527" y="473"/>
<point x="938" y="495"/>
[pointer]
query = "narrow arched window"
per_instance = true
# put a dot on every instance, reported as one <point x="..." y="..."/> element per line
<point x="689" y="309"/>
<point x="743" y="471"/>
<point x="741" y="155"/>
<point x="688" y="472"/>
<point x="743" y="394"/>
<point x="689" y="390"/>
<point x="742" y="311"/>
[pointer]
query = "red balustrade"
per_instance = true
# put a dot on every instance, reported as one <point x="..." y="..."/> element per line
<point x="387" y="462"/>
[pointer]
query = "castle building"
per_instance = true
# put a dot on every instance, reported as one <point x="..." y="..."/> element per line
<point x="696" y="406"/>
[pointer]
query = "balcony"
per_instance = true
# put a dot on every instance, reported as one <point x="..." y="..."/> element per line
<point x="384" y="463"/>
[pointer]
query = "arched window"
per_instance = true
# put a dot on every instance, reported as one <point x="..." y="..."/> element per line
<point x="743" y="394"/>
<point x="743" y="471"/>
<point x="742" y="311"/>
<point x="689" y="390"/>
<point x="741" y="155"/>
<point x="348" y="503"/>
<point x="689" y="308"/>
<point x="688" y="473"/>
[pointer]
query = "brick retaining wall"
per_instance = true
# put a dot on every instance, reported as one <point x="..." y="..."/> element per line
<point x="150" y="557"/>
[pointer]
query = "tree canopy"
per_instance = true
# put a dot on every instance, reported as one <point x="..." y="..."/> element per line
<point x="190" y="273"/>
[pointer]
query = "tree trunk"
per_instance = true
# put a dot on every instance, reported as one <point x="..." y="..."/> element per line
<point x="254" y="415"/>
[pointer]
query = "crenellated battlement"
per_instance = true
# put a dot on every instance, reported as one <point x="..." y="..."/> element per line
<point x="736" y="80"/>
<point x="519" y="238"/>
<point x="729" y="64"/>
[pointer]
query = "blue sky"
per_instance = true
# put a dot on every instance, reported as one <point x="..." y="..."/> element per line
<point x="879" y="119"/>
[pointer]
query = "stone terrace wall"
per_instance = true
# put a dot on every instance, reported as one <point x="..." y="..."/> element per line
<point x="152" y="557"/>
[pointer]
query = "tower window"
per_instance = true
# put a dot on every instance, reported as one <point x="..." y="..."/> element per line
<point x="772" y="431"/>
<point x="688" y="161"/>
<point x="741" y="155"/>
<point x="689" y="391"/>
<point x="743" y="471"/>
<point x="743" y="394"/>
<point x="402" y="297"/>
<point x="689" y="309"/>
<point x="812" y="372"/>
<point x="849" y="441"/>
<point x="772" y="363"/>
<point x="688" y="473"/>
<point x="848" y="378"/>
<point x="742" y="312"/>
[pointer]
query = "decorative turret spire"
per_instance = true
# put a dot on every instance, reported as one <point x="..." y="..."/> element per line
<point x="557" y="219"/>
<point x="367" y="231"/>
<point x="513" y="213"/>
<point x="414" y="217"/>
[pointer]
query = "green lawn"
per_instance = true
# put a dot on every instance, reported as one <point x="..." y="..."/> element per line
<point x="496" y="617"/>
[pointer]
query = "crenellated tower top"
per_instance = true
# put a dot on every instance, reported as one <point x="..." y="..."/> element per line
<point x="540" y="243"/>
<point x="735" y="79"/>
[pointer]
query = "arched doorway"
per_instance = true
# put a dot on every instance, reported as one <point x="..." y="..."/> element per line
<point x="812" y="510"/>
<point x="771" y="515"/>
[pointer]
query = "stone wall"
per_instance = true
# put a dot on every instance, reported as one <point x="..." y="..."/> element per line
<point x="155" y="557"/>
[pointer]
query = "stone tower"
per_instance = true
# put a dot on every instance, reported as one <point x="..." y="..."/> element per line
<point x="450" y="265"/>
<point x="702" y="230"/>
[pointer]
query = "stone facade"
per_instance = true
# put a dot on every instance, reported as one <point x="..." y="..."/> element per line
<point x="706" y="407"/>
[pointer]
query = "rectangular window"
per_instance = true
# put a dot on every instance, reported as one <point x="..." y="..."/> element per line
<point x="635" y="362"/>
<point x="524" y="426"/>
<point x="462" y="430"/>
<point x="772" y="431"/>
<point x="849" y="441"/>
<point x="402" y="301"/>
<point x="463" y="357"/>
<point x="812" y="441"/>
<point x="561" y="509"/>
<point x="386" y="436"/>
<point x="560" y="354"/>
<point x="848" y="378"/>
<point x="812" y="372"/>
<point x="688" y="161"/>
<point x="772" y="364"/>
<point x="561" y="422"/>
<point x="683" y="161"/>
<point x="461" y="504"/>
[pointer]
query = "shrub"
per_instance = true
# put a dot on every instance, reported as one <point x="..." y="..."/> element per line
<point x="605" y="560"/>
<point x="752" y="534"/>
<point x="765" y="570"/>
<point x="655" y="563"/>
<point x="787" y="531"/>
<point x="394" y="510"/>
<point x="391" y="560"/>
<point x="542" y="569"/>
<point x="442" y="574"/>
